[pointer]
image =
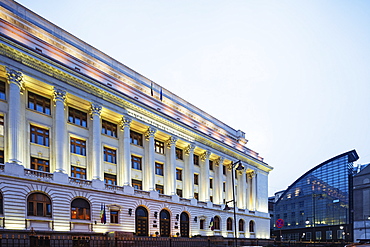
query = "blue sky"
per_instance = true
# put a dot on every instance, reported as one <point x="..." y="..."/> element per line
<point x="293" y="75"/>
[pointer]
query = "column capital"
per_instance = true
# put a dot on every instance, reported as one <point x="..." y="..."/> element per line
<point x="150" y="133"/>
<point x="125" y="122"/>
<point x="59" y="95"/>
<point x="190" y="148"/>
<point x="251" y="174"/>
<point x="219" y="161"/>
<point x="205" y="155"/>
<point x="95" y="109"/>
<point x="15" y="77"/>
<point x="171" y="141"/>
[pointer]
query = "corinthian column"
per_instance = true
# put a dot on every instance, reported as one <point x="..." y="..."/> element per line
<point x="170" y="171"/>
<point x="204" y="177"/>
<point x="189" y="172"/>
<point x="149" y="168"/>
<point x="60" y="131"/>
<point x="218" y="184"/>
<point x="16" y="85"/>
<point x="96" y="141"/>
<point x="124" y="168"/>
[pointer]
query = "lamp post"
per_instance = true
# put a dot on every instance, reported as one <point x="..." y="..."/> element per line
<point x="239" y="167"/>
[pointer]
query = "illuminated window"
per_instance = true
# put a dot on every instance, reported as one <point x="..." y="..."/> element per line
<point x="135" y="162"/>
<point x="158" y="169"/>
<point x="178" y="174"/>
<point x="78" y="146"/>
<point x="196" y="159"/>
<point x="109" y="128"/>
<point x="229" y="224"/>
<point x="179" y="154"/>
<point x="196" y="179"/>
<point x="137" y="184"/>
<point x="2" y="90"/>
<point x="159" y="188"/>
<point x="80" y="209"/>
<point x="40" y="164"/>
<point x="110" y="155"/>
<point x="159" y="147"/>
<point x="38" y="204"/>
<point x="38" y="103"/>
<point x="78" y="172"/>
<point x="136" y="138"/>
<point x="110" y="179"/>
<point x="39" y="135"/>
<point x="114" y="213"/>
<point x="77" y="117"/>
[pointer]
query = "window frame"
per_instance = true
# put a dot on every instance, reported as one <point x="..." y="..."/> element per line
<point x="39" y="103"/>
<point x="110" y="155"/>
<point x="196" y="159"/>
<point x="179" y="192"/>
<point x="109" y="128"/>
<point x="2" y="90"/>
<point x="75" y="172"/>
<point x="82" y="213"/>
<point x="110" y="178"/>
<point x="178" y="174"/>
<point x="159" y="147"/>
<point x="196" y="179"/>
<point x="136" y="138"/>
<point x="211" y="183"/>
<point x="179" y="153"/>
<point x="137" y="183"/>
<point x="33" y="203"/>
<point x="159" y="188"/>
<point x="35" y="165"/>
<point x="78" y="143"/>
<point x="74" y="115"/>
<point x="217" y="223"/>
<point x="159" y="169"/>
<point x="210" y="164"/>
<point x="134" y="162"/>
<point x="36" y="132"/>
<point x="114" y="216"/>
<point x="229" y="224"/>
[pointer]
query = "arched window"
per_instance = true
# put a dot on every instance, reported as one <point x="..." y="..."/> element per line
<point x="1" y="204"/>
<point x="229" y="224"/>
<point x="141" y="220"/>
<point x="184" y="225"/>
<point x="165" y="223"/>
<point x="216" y="222"/>
<point x="80" y="209"/>
<point x="241" y="225"/>
<point x="38" y="204"/>
<point x="251" y="226"/>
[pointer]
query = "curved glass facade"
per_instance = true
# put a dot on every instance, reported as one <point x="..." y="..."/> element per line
<point x="317" y="205"/>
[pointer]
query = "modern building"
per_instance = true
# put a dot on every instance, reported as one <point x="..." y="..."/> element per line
<point x="361" y="205"/>
<point x="318" y="205"/>
<point x="89" y="145"/>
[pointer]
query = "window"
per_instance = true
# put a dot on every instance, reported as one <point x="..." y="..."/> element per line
<point x="1" y="203"/>
<point x="196" y="159"/>
<point x="78" y="146"/>
<point x="179" y="192"/>
<point x="229" y="224"/>
<point x="211" y="198"/>
<point x="224" y="170"/>
<point x="80" y="209"/>
<point x="216" y="223"/>
<point x="196" y="179"/>
<point x="1" y="125"/>
<point x="137" y="184"/>
<point x="179" y="154"/>
<point x="329" y="235"/>
<point x="159" y="147"/>
<point x="109" y="128"/>
<point x="196" y="195"/>
<point x="211" y="183"/>
<point x="39" y="136"/>
<point x="1" y="156"/>
<point x="114" y="216"/>
<point x="77" y="117"/>
<point x="110" y="179"/>
<point x="136" y="138"/>
<point x="251" y="226"/>
<point x="159" y="188"/>
<point x="241" y="225"/>
<point x="211" y="165"/>
<point x="201" y="223"/>
<point x="78" y="172"/>
<point x="224" y="186"/>
<point x="40" y="164"/>
<point x="178" y="174"/>
<point x="38" y="204"/>
<point x="158" y="169"/>
<point x="38" y="103"/>
<point x="2" y="90"/>
<point x="110" y="155"/>
<point x="136" y="162"/>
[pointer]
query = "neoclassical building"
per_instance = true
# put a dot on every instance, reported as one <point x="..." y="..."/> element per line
<point x="81" y="133"/>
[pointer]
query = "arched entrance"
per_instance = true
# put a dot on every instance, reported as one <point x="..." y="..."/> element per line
<point x="164" y="223"/>
<point x="141" y="221"/>
<point x="184" y="225"/>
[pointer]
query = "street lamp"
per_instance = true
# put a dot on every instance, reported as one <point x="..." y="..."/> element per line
<point x="238" y="167"/>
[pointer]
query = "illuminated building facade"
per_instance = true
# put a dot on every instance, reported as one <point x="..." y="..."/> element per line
<point x="318" y="205"/>
<point x="81" y="132"/>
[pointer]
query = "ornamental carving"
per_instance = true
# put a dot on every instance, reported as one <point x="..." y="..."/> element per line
<point x="125" y="122"/>
<point x="205" y="155"/>
<point x="189" y="149"/>
<point x="171" y="141"/>
<point x="95" y="109"/>
<point x="150" y="133"/>
<point x="15" y="77"/>
<point x="251" y="174"/>
<point x="59" y="95"/>
<point x="219" y="161"/>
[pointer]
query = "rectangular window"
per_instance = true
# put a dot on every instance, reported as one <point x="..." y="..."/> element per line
<point x="114" y="216"/>
<point x="78" y="172"/>
<point x="211" y="198"/>
<point x="179" y="192"/>
<point x="136" y="138"/>
<point x="159" y="147"/>
<point x="2" y="90"/>
<point x="136" y="162"/>
<point x="39" y="135"/>
<point x="78" y="146"/>
<point x="178" y="174"/>
<point x="196" y="159"/>
<point x="224" y="186"/>
<point x="211" y="165"/>
<point x="110" y="179"/>
<point x="159" y="188"/>
<point x="224" y="170"/>
<point x="196" y="195"/>
<point x="77" y="117"/>
<point x="196" y="179"/>
<point x="38" y="103"/>
<point x="110" y="155"/>
<point x="158" y="169"/>
<point x="2" y="156"/>
<point x="329" y="235"/>
<point x="340" y="234"/>
<point x="179" y="154"/>
<point x="318" y="235"/>
<point x="40" y="164"/>
<point x="211" y="183"/>
<point x="1" y="125"/>
<point x="137" y="184"/>
<point x="109" y="128"/>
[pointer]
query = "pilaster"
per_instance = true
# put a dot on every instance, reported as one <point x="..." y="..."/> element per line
<point x="218" y="181"/>
<point x="124" y="164"/>
<point x="60" y="131"/>
<point x="149" y="168"/>
<point x="189" y="172"/>
<point x="204" y="177"/>
<point x="95" y="112"/>
<point x="170" y="171"/>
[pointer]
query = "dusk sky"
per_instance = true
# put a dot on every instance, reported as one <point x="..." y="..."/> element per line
<point x="293" y="75"/>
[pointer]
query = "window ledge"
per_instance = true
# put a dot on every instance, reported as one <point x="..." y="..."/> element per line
<point x="39" y="218"/>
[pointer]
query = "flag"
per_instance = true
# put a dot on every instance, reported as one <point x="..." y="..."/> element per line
<point x="151" y="89"/>
<point x="211" y="224"/>
<point x="103" y="218"/>
<point x="160" y="95"/>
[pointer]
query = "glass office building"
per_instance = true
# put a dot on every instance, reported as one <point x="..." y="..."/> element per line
<point x="317" y="206"/>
